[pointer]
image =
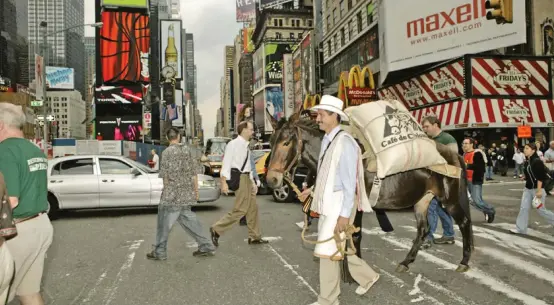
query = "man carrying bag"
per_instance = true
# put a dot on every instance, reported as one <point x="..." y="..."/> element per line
<point x="236" y="155"/>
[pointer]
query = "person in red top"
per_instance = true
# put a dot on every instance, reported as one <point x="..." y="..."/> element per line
<point x="475" y="164"/>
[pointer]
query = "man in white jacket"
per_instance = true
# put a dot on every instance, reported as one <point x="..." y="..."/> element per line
<point x="339" y="192"/>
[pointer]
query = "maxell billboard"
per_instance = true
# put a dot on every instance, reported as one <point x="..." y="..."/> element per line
<point x="427" y="31"/>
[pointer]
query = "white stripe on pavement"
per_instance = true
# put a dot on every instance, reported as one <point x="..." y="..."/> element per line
<point x="291" y="268"/>
<point x="123" y="272"/>
<point x="530" y="232"/>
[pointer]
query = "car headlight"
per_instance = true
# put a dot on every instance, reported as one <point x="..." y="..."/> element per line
<point x="206" y="183"/>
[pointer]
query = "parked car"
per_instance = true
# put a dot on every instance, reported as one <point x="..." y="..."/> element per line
<point x="212" y="164"/>
<point x="100" y="181"/>
<point x="285" y="192"/>
<point x="260" y="158"/>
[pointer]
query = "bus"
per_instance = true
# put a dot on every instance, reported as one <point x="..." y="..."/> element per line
<point x="216" y="146"/>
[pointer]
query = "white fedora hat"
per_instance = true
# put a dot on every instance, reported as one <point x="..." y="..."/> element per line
<point x="333" y="104"/>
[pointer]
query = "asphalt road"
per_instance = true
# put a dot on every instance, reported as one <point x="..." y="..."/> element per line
<point x="98" y="257"/>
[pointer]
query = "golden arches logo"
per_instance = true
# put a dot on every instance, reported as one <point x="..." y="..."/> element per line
<point x="310" y="101"/>
<point x="355" y="79"/>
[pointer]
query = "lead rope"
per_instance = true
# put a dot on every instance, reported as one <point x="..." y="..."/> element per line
<point x="350" y="229"/>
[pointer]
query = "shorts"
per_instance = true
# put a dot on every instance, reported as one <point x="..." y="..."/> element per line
<point x="7" y="268"/>
<point x="28" y="249"/>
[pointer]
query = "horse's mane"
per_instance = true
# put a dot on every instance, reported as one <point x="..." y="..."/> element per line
<point x="310" y="126"/>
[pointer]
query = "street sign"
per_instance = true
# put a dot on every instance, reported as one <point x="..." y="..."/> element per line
<point x="147" y="120"/>
<point x="36" y="103"/>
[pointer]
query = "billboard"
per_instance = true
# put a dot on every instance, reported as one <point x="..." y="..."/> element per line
<point x="247" y="44"/>
<point x="126" y="3"/>
<point x="273" y="106"/>
<point x="274" y="61"/>
<point x="39" y="82"/>
<point x="428" y="31"/>
<point x="272" y="3"/>
<point x="246" y="10"/>
<point x="119" y="127"/>
<point x="60" y="78"/>
<point x="288" y="85"/>
<point x="259" y="112"/>
<point x="178" y="108"/>
<point x="118" y="94"/>
<point x="124" y="47"/>
<point x="258" y="78"/>
<point x="170" y="43"/>
<point x="307" y="66"/>
<point x="297" y="76"/>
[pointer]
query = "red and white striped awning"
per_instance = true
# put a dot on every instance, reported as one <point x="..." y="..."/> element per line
<point x="495" y="113"/>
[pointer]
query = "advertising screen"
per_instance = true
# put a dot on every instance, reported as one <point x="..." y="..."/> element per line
<point x="171" y="46"/>
<point x="126" y="3"/>
<point x="246" y="10"/>
<point x="124" y="47"/>
<point x="60" y="78"/>
<point x="274" y="61"/>
<point x="118" y="94"/>
<point x="119" y="127"/>
<point x="259" y="112"/>
<point x="273" y="105"/>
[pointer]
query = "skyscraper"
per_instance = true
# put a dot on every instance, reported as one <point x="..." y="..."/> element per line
<point x="64" y="49"/>
<point x="13" y="41"/>
<point x="90" y="68"/>
<point x="190" y="68"/>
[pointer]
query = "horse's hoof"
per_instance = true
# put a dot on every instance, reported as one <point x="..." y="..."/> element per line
<point x="462" y="268"/>
<point x="402" y="269"/>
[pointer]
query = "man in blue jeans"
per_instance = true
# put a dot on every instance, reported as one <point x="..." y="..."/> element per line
<point x="432" y="127"/>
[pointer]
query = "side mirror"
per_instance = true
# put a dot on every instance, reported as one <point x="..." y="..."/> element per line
<point x="135" y="172"/>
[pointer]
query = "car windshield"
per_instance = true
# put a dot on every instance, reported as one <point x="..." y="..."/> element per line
<point x="215" y="158"/>
<point x="141" y="166"/>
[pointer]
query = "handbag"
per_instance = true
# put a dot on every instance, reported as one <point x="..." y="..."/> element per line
<point x="234" y="181"/>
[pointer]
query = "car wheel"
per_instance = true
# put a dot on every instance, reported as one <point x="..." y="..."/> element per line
<point x="283" y="194"/>
<point x="263" y="189"/>
<point x="53" y="210"/>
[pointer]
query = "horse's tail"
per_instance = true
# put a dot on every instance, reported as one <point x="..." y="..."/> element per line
<point x="463" y="197"/>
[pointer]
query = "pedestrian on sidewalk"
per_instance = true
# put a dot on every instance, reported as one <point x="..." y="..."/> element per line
<point x="7" y="230"/>
<point x="432" y="127"/>
<point x="340" y="170"/>
<point x="24" y="167"/>
<point x="235" y="159"/>
<point x="489" y="168"/>
<point x="475" y="172"/>
<point x="179" y="170"/>
<point x="519" y="159"/>
<point x="533" y="194"/>
<point x="549" y="157"/>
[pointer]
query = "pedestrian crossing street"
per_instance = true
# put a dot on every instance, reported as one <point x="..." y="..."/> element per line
<point x="505" y="268"/>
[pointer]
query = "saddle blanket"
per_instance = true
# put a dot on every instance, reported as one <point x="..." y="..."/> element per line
<point x="394" y="137"/>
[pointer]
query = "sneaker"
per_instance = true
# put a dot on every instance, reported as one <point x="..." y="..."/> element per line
<point x="445" y="240"/>
<point x="155" y="257"/>
<point x="426" y="244"/>
<point x="199" y="253"/>
<point x="362" y="290"/>
<point x="489" y="217"/>
<point x="515" y="231"/>
<point x="259" y="241"/>
<point x="215" y="237"/>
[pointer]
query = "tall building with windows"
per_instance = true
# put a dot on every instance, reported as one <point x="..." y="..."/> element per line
<point x="64" y="49"/>
<point x="90" y="68"/>
<point x="68" y="108"/>
<point x="190" y="68"/>
<point x="14" y="52"/>
<point x="226" y="101"/>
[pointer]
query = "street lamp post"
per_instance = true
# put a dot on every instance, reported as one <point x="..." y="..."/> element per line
<point x="44" y="52"/>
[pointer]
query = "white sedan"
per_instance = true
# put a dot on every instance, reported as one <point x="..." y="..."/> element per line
<point x="101" y="181"/>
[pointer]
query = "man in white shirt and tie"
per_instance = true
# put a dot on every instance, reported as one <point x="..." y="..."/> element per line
<point x="236" y="154"/>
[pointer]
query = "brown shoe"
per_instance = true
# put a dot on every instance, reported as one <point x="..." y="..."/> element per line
<point x="259" y="241"/>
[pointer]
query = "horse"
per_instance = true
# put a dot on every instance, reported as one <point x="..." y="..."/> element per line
<point x="299" y="139"/>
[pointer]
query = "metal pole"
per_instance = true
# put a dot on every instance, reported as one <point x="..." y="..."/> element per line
<point x="44" y="99"/>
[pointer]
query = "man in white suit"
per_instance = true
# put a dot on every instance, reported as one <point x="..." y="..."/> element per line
<point x="339" y="192"/>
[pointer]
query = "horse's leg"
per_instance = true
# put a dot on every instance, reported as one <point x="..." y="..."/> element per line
<point x="420" y="210"/>
<point x="357" y="237"/>
<point x="383" y="220"/>
<point x="464" y="223"/>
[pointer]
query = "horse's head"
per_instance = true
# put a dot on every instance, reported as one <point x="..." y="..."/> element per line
<point x="286" y="149"/>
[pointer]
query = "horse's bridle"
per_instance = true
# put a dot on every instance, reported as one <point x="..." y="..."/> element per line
<point x="294" y="163"/>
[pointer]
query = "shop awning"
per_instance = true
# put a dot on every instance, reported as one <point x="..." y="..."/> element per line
<point x="452" y="115"/>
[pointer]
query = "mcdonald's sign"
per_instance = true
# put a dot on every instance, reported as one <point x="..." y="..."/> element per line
<point x="309" y="102"/>
<point x="355" y="88"/>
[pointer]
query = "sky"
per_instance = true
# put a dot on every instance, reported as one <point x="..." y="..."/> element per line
<point x="213" y="24"/>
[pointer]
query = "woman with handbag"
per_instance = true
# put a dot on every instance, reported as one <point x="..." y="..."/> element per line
<point x="533" y="194"/>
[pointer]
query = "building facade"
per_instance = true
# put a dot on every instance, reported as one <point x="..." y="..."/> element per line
<point x="64" y="49"/>
<point x="190" y="67"/>
<point x="227" y="90"/>
<point x="68" y="109"/>
<point x="90" y="68"/>
<point x="278" y="31"/>
<point x="14" y="53"/>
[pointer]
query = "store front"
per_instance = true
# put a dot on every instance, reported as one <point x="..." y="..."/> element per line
<point x="486" y="97"/>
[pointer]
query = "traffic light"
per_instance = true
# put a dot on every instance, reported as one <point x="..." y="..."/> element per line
<point x="501" y="10"/>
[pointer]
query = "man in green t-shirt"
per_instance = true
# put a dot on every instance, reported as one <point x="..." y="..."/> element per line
<point x="24" y="167"/>
<point x="432" y="127"/>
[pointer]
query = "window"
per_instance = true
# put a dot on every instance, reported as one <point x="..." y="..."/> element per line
<point x="342" y="40"/>
<point x="349" y="4"/>
<point x="359" y="17"/>
<point x="336" y="42"/>
<point x="291" y="35"/>
<point x="114" y="167"/>
<point x="74" y="167"/>
<point x="275" y="22"/>
<point x="351" y="30"/>
<point x="342" y="8"/>
<point x="328" y="23"/>
<point x="335" y="17"/>
<point x="370" y="9"/>
<point x="299" y="35"/>
<point x="280" y="22"/>
<point x="329" y="47"/>
<point x="310" y="23"/>
<point x="278" y="35"/>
